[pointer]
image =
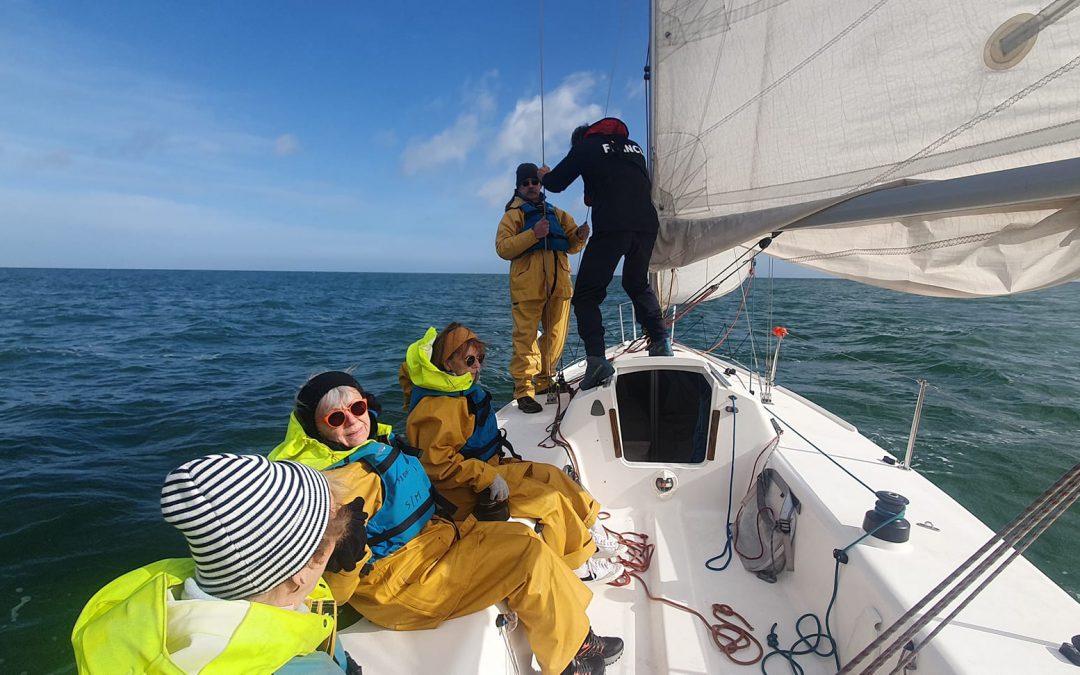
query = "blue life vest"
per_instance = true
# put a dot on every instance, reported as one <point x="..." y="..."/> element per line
<point x="486" y="440"/>
<point x="408" y="497"/>
<point x="556" y="239"/>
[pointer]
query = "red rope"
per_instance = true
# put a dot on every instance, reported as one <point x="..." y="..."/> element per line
<point x="729" y="637"/>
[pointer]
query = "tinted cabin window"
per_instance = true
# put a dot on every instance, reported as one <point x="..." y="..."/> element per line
<point x="664" y="415"/>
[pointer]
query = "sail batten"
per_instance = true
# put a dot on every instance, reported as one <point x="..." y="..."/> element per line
<point x="816" y="116"/>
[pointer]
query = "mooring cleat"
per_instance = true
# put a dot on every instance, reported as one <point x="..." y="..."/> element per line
<point x="597" y="371"/>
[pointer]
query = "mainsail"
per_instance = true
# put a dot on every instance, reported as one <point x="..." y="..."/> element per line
<point x="923" y="146"/>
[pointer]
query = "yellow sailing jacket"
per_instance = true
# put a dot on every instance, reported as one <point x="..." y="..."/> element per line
<point x="535" y="275"/>
<point x="130" y="626"/>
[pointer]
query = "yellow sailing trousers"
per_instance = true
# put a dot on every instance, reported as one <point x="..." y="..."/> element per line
<point x="451" y="570"/>
<point x="532" y="358"/>
<point x="540" y="491"/>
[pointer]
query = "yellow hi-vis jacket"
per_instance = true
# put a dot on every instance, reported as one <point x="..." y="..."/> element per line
<point x="129" y="626"/>
<point x="535" y="275"/>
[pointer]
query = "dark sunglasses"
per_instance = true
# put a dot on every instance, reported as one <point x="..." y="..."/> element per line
<point x="471" y="360"/>
<point x="337" y="418"/>
<point x="529" y="181"/>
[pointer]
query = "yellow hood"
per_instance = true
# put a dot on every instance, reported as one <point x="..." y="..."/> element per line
<point x="423" y="373"/>
<point x="299" y="447"/>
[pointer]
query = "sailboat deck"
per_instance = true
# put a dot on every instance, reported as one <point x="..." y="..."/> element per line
<point x="1015" y="625"/>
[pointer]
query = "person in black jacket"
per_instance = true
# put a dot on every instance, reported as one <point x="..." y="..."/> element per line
<point x="618" y="187"/>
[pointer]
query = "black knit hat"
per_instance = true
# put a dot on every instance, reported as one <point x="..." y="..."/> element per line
<point x="527" y="170"/>
<point x="307" y="400"/>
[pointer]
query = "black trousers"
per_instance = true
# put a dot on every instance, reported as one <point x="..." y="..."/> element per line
<point x="597" y="269"/>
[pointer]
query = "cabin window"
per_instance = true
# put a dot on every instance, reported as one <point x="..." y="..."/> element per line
<point x="664" y="415"/>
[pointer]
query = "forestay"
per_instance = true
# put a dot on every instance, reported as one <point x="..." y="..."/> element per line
<point x="771" y="116"/>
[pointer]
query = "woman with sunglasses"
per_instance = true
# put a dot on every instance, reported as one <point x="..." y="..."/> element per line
<point x="451" y="420"/>
<point x="536" y="238"/>
<point x="414" y="568"/>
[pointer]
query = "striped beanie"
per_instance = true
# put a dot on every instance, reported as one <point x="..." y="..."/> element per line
<point x="250" y="523"/>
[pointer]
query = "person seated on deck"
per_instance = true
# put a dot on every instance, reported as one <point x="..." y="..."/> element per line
<point x="452" y="421"/>
<point x="415" y="568"/>
<point x="241" y="603"/>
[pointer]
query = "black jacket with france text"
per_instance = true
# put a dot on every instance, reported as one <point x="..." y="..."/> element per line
<point x="616" y="180"/>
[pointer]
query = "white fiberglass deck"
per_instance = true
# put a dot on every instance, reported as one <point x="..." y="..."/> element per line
<point x="1016" y="624"/>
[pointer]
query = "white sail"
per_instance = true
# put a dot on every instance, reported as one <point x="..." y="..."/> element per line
<point x="767" y="113"/>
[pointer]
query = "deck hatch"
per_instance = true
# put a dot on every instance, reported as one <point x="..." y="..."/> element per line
<point x="664" y="415"/>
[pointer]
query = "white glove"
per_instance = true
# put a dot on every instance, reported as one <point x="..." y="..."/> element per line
<point x="499" y="490"/>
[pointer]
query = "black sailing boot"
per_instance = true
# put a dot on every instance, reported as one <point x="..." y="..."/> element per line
<point x="528" y="404"/>
<point x="597" y="370"/>
<point x="660" y="347"/>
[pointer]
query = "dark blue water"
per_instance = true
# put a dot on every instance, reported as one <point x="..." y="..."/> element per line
<point x="109" y="379"/>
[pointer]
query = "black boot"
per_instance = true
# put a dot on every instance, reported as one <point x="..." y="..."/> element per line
<point x="597" y="371"/>
<point x="528" y="404"/>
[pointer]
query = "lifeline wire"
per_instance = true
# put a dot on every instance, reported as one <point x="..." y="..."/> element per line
<point x="1053" y="502"/>
<point x="1068" y="498"/>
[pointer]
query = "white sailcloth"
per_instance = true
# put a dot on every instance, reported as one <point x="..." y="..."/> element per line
<point x="768" y="112"/>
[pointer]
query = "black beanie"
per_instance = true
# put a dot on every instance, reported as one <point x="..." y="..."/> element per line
<point x="307" y="400"/>
<point x="527" y="170"/>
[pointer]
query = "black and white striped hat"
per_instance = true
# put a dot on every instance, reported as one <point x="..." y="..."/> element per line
<point x="250" y="523"/>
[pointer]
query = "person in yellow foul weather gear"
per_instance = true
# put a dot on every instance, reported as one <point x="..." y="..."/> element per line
<point x="415" y="568"/>
<point x="536" y="238"/>
<point x="250" y="598"/>
<point x="451" y="420"/>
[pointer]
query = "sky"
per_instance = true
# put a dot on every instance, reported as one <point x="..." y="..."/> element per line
<point x="347" y="136"/>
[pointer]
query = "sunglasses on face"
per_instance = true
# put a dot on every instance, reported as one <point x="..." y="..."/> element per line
<point x="471" y="360"/>
<point x="529" y="182"/>
<point x="337" y="418"/>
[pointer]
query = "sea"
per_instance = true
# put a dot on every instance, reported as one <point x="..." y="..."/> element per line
<point x="109" y="379"/>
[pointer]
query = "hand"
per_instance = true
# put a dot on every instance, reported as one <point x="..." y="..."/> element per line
<point x="499" y="490"/>
<point x="350" y="549"/>
<point x="543" y="171"/>
<point x="583" y="232"/>
<point x="541" y="229"/>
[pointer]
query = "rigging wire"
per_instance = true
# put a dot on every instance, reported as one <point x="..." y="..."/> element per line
<point x="543" y="133"/>
<point x="1037" y="517"/>
<point x="825" y="454"/>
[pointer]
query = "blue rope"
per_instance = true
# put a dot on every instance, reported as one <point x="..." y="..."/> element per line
<point x="728" y="547"/>
<point x="789" y="654"/>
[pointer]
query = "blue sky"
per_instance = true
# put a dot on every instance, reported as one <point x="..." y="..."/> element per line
<point x="293" y="136"/>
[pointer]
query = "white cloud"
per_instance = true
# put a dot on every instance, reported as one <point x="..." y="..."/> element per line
<point x="497" y="189"/>
<point x="286" y="145"/>
<point x="455" y="142"/>
<point x="452" y="144"/>
<point x="564" y="109"/>
<point x="518" y="138"/>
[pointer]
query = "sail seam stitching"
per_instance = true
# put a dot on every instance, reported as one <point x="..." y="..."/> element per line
<point x="906" y="250"/>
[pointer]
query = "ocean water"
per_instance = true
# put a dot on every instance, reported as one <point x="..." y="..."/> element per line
<point x="112" y="378"/>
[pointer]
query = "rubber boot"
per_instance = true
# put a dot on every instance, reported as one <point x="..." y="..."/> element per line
<point x="661" y="348"/>
<point x="597" y="371"/>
